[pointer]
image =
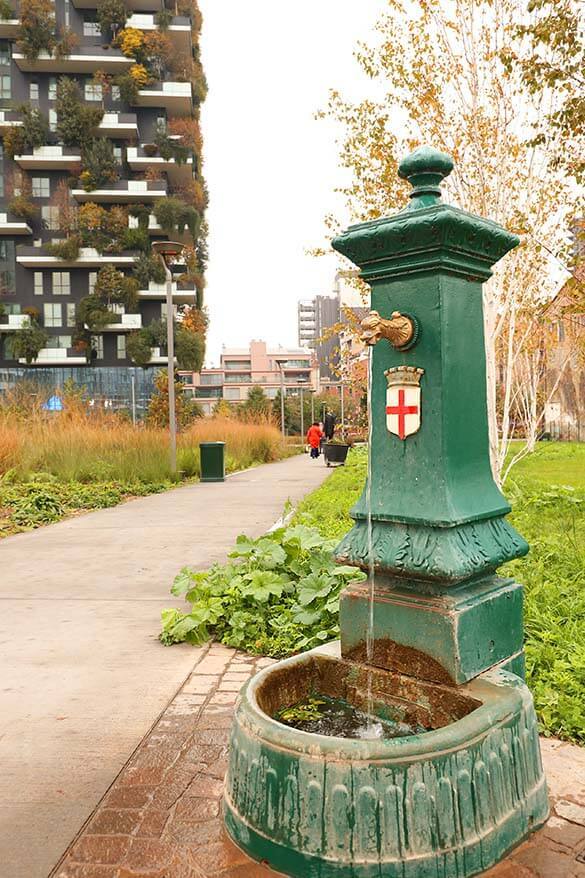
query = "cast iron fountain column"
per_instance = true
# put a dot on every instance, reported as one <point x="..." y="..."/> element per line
<point x="447" y="652"/>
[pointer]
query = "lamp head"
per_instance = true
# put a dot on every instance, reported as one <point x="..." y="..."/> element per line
<point x="167" y="250"/>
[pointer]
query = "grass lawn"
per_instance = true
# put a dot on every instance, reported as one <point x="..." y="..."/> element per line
<point x="547" y="492"/>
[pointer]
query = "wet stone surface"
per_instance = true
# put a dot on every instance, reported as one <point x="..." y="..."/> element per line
<point x="162" y="816"/>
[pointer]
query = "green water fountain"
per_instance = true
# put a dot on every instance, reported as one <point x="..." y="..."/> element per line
<point x="434" y="638"/>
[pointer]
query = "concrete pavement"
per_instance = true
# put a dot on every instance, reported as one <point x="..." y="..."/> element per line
<point x="83" y="677"/>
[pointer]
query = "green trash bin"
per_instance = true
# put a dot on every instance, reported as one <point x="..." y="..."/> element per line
<point x="212" y="461"/>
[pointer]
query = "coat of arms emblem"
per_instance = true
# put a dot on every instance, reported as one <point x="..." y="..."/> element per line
<point x="403" y="400"/>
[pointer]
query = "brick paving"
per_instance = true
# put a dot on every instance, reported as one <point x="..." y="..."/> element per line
<point x="161" y="817"/>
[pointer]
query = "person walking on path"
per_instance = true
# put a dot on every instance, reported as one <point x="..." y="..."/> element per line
<point x="314" y="436"/>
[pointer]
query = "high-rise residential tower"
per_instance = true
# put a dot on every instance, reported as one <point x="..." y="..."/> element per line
<point x="100" y="156"/>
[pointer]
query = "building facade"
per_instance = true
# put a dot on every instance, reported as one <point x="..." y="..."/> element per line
<point x="317" y="318"/>
<point x="100" y="156"/>
<point x="241" y="369"/>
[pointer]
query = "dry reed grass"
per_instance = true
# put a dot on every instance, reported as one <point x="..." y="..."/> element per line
<point x="73" y="446"/>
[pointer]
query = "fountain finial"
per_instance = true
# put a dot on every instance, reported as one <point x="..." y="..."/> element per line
<point x="424" y="169"/>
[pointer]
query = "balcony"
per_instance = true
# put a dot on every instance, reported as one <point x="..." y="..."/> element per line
<point x="124" y="192"/>
<point x="36" y="257"/>
<point x="157" y="358"/>
<point x="158" y="292"/>
<point x="9" y="118"/>
<point x="13" y="322"/>
<point x="84" y="59"/>
<point x="9" y="28"/>
<point x="57" y="357"/>
<point x="175" y="97"/>
<point x="13" y="226"/>
<point x="50" y="158"/>
<point x="132" y="5"/>
<point x="178" y="174"/>
<point x="118" y="125"/>
<point x="127" y="323"/>
<point x="179" y="30"/>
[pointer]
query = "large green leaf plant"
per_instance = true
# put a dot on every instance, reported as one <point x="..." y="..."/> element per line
<point x="277" y="595"/>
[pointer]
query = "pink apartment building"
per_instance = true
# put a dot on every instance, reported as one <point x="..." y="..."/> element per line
<point x="243" y="368"/>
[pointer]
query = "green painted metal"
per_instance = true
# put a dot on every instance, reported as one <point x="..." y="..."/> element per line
<point x="451" y="802"/>
<point x="449" y="637"/>
<point x="437" y="513"/>
<point x="446" y="804"/>
<point x="212" y="461"/>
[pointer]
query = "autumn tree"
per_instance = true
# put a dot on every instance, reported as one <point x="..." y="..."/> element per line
<point x="448" y="86"/>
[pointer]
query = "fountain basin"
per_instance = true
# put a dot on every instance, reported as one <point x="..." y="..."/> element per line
<point x="444" y="804"/>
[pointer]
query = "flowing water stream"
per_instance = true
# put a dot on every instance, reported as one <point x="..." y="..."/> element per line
<point x="373" y="728"/>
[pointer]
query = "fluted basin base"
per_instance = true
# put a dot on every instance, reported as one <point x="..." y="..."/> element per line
<point x="448" y="803"/>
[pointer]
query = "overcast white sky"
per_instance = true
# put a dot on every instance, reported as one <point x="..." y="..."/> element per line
<point x="270" y="167"/>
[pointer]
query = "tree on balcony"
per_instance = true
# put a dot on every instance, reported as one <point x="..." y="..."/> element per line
<point x="100" y="168"/>
<point x="173" y="215"/>
<point x="148" y="268"/>
<point x="76" y="121"/>
<point x="27" y="342"/>
<point x="189" y="349"/>
<point x="32" y="133"/>
<point x="37" y="28"/>
<point x="111" y="14"/>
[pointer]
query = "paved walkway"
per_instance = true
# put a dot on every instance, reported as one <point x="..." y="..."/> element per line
<point x="161" y="818"/>
<point x="83" y="677"/>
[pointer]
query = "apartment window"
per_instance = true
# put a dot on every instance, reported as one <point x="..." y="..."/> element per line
<point x="117" y="150"/>
<point x="52" y="88"/>
<point x="7" y="266"/>
<point x="91" y="28"/>
<point x="52" y="313"/>
<point x="60" y="341"/>
<point x="41" y="187"/>
<point x="121" y="347"/>
<point x="39" y="287"/>
<point x="71" y="315"/>
<point x="231" y="393"/>
<point x="93" y="91"/>
<point x="50" y="217"/>
<point x="97" y="343"/>
<point x="92" y="278"/>
<point x="5" y="87"/>
<point x="116" y="94"/>
<point x="52" y="120"/>
<point x="33" y="91"/>
<point x="67" y="9"/>
<point x="4" y="53"/>
<point x="61" y="283"/>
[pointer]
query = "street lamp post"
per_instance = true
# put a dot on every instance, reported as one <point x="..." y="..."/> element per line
<point x="302" y="414"/>
<point x="168" y="252"/>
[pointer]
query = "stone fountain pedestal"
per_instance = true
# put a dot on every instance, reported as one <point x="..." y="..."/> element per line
<point x="447" y="649"/>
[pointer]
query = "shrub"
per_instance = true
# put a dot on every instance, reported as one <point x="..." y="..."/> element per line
<point x="131" y="42"/>
<point x="13" y="141"/>
<point x="37" y="27"/>
<point x="148" y="268"/>
<point x="128" y="88"/>
<point x="138" y="347"/>
<point x="68" y="249"/>
<point x="22" y="207"/>
<point x="67" y="43"/>
<point x="94" y="313"/>
<point x="6" y="10"/>
<point x="26" y="343"/>
<point x="140" y="75"/>
<point x="136" y="239"/>
<point x="189" y="349"/>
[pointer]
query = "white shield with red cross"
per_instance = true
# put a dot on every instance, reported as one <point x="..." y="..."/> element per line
<point x="403" y="400"/>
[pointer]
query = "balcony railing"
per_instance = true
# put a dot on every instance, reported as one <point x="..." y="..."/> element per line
<point x="118" y="125"/>
<point x="83" y="59"/>
<point x="158" y="292"/>
<point x="177" y="173"/>
<point x="133" y="5"/>
<point x="13" y="322"/>
<point x="176" y="97"/>
<point x="124" y="191"/>
<point x="10" y="226"/>
<point x="37" y="257"/>
<point x="179" y="29"/>
<point x="50" y="158"/>
<point x="9" y="118"/>
<point x="58" y="357"/>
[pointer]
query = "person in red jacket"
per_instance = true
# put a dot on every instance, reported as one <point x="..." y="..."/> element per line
<point x="314" y="436"/>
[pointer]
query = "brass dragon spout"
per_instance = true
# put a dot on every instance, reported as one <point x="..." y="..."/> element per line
<point x="400" y="330"/>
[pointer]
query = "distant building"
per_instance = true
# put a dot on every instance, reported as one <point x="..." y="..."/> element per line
<point x="255" y="366"/>
<point x="317" y="320"/>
